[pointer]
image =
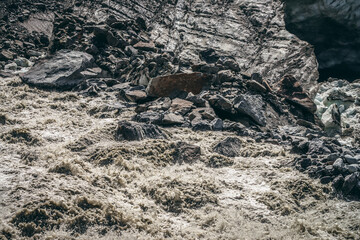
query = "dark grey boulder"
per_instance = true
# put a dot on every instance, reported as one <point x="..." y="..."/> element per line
<point x="62" y="71"/>
<point x="137" y="131"/>
<point x="252" y="106"/>
<point x="229" y="147"/>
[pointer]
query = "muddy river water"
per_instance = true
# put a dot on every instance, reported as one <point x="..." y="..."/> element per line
<point x="64" y="176"/>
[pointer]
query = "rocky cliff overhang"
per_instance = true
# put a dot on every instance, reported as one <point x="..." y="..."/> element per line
<point x="333" y="27"/>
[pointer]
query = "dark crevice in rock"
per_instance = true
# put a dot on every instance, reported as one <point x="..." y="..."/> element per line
<point x="332" y="27"/>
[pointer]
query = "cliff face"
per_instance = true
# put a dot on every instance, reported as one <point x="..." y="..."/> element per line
<point x="333" y="27"/>
<point x="251" y="32"/>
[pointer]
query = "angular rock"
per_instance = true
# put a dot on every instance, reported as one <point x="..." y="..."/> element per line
<point x="136" y="95"/>
<point x="172" y="119"/>
<point x="350" y="182"/>
<point x="62" y="71"/>
<point x="165" y="85"/>
<point x="218" y="102"/>
<point x="181" y="106"/>
<point x="350" y="159"/>
<point x="229" y="147"/>
<point x="255" y="86"/>
<point x="295" y="94"/>
<point x="200" y="125"/>
<point x="217" y="124"/>
<point x="252" y="106"/>
<point x="6" y="55"/>
<point x="145" y="46"/>
<point x="137" y="131"/>
<point x="186" y="153"/>
<point x="149" y="117"/>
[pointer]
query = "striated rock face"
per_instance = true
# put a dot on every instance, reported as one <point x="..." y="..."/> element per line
<point x="333" y="27"/>
<point x="251" y="32"/>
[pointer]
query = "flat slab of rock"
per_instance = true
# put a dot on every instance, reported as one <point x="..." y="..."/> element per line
<point x="138" y="131"/>
<point x="62" y="71"/>
<point x="165" y="85"/>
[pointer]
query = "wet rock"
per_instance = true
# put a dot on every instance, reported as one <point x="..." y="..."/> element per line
<point x="165" y="85"/>
<point x="196" y="99"/>
<point x="326" y="179"/>
<point x="352" y="168"/>
<point x="346" y="114"/>
<point x="318" y="146"/>
<point x="137" y="131"/>
<point x="305" y="163"/>
<point x="229" y="147"/>
<point x="217" y="124"/>
<point x="172" y="119"/>
<point x="252" y="106"/>
<point x="350" y="159"/>
<point x="62" y="71"/>
<point x="6" y="55"/>
<point x="149" y="117"/>
<point x="186" y="153"/>
<point x="199" y="124"/>
<point x="339" y="165"/>
<point x="338" y="182"/>
<point x="350" y="182"/>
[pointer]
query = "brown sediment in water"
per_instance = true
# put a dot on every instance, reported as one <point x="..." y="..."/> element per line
<point x="64" y="176"/>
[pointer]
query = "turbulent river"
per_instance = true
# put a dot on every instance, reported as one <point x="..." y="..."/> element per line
<point x="64" y="176"/>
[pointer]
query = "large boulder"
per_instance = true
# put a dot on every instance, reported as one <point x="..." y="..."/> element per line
<point x="252" y="106"/>
<point x="62" y="71"/>
<point x="164" y="86"/>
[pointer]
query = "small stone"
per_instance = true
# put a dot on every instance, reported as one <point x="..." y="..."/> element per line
<point x="350" y="159"/>
<point x="305" y="163"/>
<point x="326" y="180"/>
<point x="353" y="168"/>
<point x="23" y="62"/>
<point x="136" y="95"/>
<point x="6" y="55"/>
<point x="217" y="124"/>
<point x="256" y="86"/>
<point x="172" y="119"/>
<point x="339" y="165"/>
<point x="181" y="106"/>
